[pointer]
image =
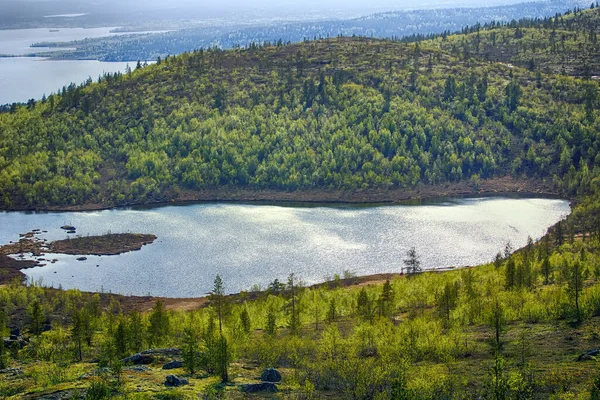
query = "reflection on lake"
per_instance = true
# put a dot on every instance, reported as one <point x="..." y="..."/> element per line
<point x="254" y="244"/>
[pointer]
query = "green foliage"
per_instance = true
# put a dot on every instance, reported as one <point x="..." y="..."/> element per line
<point x="206" y="121"/>
<point x="159" y="325"/>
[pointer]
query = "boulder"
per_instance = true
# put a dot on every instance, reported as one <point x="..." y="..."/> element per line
<point x="164" y="352"/>
<point x="270" y="375"/>
<point x="173" y="364"/>
<point x="259" y="387"/>
<point x="589" y="355"/>
<point x="139" y="359"/>
<point x="175" y="381"/>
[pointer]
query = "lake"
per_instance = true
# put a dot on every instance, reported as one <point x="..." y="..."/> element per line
<point x="249" y="244"/>
<point x="24" y="78"/>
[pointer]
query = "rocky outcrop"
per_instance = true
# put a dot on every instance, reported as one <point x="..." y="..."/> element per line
<point x="259" y="387"/>
<point x="175" y="381"/>
<point x="173" y="365"/>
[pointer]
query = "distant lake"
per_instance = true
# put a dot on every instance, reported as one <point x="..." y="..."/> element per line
<point x="19" y="41"/>
<point x="24" y="78"/>
<point x="255" y="244"/>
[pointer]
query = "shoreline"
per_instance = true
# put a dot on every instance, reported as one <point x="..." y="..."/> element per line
<point x="502" y="186"/>
<point x="505" y="186"/>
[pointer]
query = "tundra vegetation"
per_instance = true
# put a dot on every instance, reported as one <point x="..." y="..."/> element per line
<point x="337" y="114"/>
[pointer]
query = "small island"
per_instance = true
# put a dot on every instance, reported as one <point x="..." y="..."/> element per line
<point x="103" y="245"/>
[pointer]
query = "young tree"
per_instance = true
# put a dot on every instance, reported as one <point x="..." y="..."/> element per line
<point x="294" y="322"/>
<point x="37" y="317"/>
<point x="159" y="324"/>
<point x="120" y="338"/>
<point x="386" y="300"/>
<point x="136" y="331"/>
<point x="412" y="262"/>
<point x="497" y="321"/>
<point x="332" y="310"/>
<point x="447" y="300"/>
<point x="245" y="321"/>
<point x="218" y="294"/>
<point x="78" y="331"/>
<point x="575" y="286"/>
<point x="190" y="349"/>
<point x="546" y="270"/>
<point x="271" y="327"/>
<point x="510" y="272"/>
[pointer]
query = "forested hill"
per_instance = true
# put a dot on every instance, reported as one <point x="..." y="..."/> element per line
<point x="341" y="114"/>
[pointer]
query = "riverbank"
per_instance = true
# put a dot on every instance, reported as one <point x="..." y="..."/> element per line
<point x="506" y="185"/>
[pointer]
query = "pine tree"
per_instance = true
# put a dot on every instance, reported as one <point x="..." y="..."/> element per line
<point x="159" y="324"/>
<point x="190" y="349"/>
<point x="245" y="321"/>
<point x="386" y="300"/>
<point x="120" y="338"/>
<point x="271" y="327"/>
<point x="223" y="359"/>
<point x="37" y="317"/>
<point x="136" y="331"/>
<point x="575" y="286"/>
<point x="78" y="331"/>
<point x="413" y="264"/>
<point x="546" y="270"/>
<point x="294" y="321"/>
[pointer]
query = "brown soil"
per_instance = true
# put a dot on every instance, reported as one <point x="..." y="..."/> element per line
<point x="501" y="185"/>
<point x="10" y="269"/>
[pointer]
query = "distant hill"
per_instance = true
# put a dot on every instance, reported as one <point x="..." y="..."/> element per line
<point x="338" y="115"/>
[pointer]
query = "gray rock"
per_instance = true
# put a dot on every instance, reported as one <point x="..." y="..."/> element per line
<point x="589" y="355"/>
<point x="175" y="381"/>
<point x="259" y="387"/>
<point x="139" y="359"/>
<point x="270" y="375"/>
<point x="173" y="364"/>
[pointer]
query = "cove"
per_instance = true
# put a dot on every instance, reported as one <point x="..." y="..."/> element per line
<point x="253" y="244"/>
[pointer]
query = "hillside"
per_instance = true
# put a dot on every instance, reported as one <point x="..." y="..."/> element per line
<point x="340" y="115"/>
<point x="345" y="115"/>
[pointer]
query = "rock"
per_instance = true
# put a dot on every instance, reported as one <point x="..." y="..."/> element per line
<point x="81" y="258"/>
<point x="173" y="364"/>
<point x="139" y="359"/>
<point x="259" y="387"/>
<point x="589" y="355"/>
<point x="175" y="381"/>
<point x="270" y="375"/>
<point x="165" y="352"/>
<point x="138" y="368"/>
